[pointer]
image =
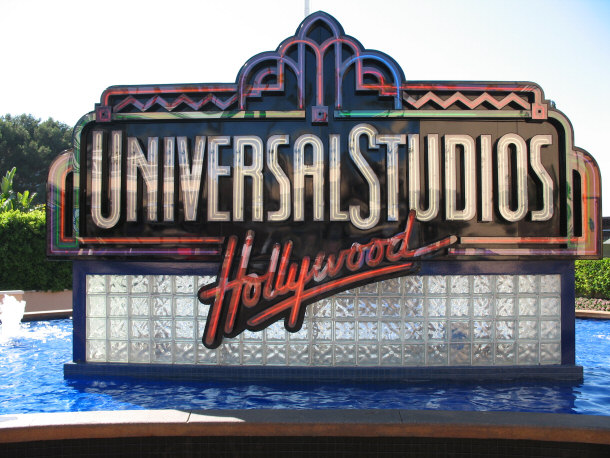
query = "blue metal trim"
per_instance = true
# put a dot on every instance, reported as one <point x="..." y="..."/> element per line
<point x="79" y="312"/>
<point x="325" y="374"/>
<point x="568" y="317"/>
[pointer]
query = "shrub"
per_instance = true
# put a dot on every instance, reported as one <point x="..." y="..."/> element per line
<point x="593" y="278"/>
<point x="23" y="261"/>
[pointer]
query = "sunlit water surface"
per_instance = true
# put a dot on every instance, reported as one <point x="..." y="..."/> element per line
<point x="31" y="368"/>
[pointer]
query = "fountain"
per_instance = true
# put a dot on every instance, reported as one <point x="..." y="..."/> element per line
<point x="11" y="313"/>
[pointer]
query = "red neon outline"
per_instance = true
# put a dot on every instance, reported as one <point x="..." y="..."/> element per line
<point x="149" y="240"/>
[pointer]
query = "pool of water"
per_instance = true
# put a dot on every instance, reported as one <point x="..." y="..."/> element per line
<point x="31" y="368"/>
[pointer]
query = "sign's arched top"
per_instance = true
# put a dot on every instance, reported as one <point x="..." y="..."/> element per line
<point x="324" y="144"/>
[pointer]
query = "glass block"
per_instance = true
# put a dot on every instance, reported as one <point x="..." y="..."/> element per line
<point x="321" y="330"/>
<point x="368" y="355"/>
<point x="229" y="353"/>
<point x="436" y="354"/>
<point x="205" y="280"/>
<point x="344" y="307"/>
<point x="528" y="353"/>
<point x="184" y="284"/>
<point x="140" y="329"/>
<point x="117" y="351"/>
<point x="301" y="334"/>
<point x="162" y="352"/>
<point x="482" y="354"/>
<point x="459" y="306"/>
<point x="390" y="330"/>
<point x="322" y="355"/>
<point x="139" y="352"/>
<point x="96" y="328"/>
<point x="184" y="352"/>
<point x="118" y="306"/>
<point x="322" y="309"/>
<point x="528" y="306"/>
<point x="414" y="330"/>
<point x="389" y="306"/>
<point x="482" y="306"/>
<point x="367" y="330"/>
<point x="139" y="306"/>
<point x="505" y="353"/>
<point x="369" y="289"/>
<point x="527" y="283"/>
<point x="481" y="329"/>
<point x="298" y="354"/>
<point x="437" y="330"/>
<point x="117" y="283"/>
<point x="413" y="355"/>
<point x="162" y="329"/>
<point x="414" y="306"/>
<point x="550" y="329"/>
<point x="505" y="306"/>
<point x="437" y="284"/>
<point x="459" y="284"/>
<point x="139" y="283"/>
<point x="550" y="353"/>
<point x="201" y="329"/>
<point x="347" y="292"/>
<point x="252" y="353"/>
<point x="117" y="329"/>
<point x="391" y="286"/>
<point x="481" y="284"/>
<point x="276" y="331"/>
<point x="185" y="306"/>
<point x="550" y="306"/>
<point x="550" y="284"/>
<point x="345" y="354"/>
<point x="391" y="355"/>
<point x="203" y="309"/>
<point x="505" y="284"/>
<point x="162" y="305"/>
<point x="345" y="330"/>
<point x="459" y="330"/>
<point x="505" y="330"/>
<point x="96" y="284"/>
<point x="205" y="355"/>
<point x="528" y="329"/>
<point x="414" y="285"/>
<point x="96" y="350"/>
<point x="162" y="284"/>
<point x="367" y="307"/>
<point x="251" y="336"/>
<point x="459" y="354"/>
<point x="96" y="306"/>
<point x="437" y="306"/>
<point x="185" y="329"/>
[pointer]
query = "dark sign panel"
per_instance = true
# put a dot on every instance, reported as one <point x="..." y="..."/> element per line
<point x="321" y="168"/>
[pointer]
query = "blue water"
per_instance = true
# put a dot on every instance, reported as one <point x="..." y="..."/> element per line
<point x="31" y="380"/>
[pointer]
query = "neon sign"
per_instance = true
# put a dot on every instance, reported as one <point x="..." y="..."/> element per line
<point x="307" y="174"/>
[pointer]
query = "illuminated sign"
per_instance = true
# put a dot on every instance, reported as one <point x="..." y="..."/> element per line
<point x="320" y="168"/>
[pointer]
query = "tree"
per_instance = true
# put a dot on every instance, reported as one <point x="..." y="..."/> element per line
<point x="31" y="145"/>
<point x="11" y="200"/>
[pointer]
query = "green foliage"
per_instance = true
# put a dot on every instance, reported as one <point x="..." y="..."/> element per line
<point x="31" y="145"/>
<point x="23" y="261"/>
<point x="593" y="278"/>
<point x="11" y="200"/>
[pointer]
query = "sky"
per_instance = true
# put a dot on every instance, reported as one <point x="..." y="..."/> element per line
<point x="58" y="56"/>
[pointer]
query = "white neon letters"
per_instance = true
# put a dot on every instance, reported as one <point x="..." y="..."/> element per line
<point x="482" y="180"/>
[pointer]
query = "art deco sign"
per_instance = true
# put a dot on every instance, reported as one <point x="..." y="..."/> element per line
<point x="320" y="168"/>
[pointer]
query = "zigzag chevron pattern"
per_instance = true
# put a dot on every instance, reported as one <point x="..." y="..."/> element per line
<point x="170" y="106"/>
<point x="459" y="97"/>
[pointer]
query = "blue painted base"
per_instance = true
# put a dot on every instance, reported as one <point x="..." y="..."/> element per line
<point x="326" y="374"/>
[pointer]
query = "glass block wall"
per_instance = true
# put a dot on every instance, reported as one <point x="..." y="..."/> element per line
<point x="443" y="320"/>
